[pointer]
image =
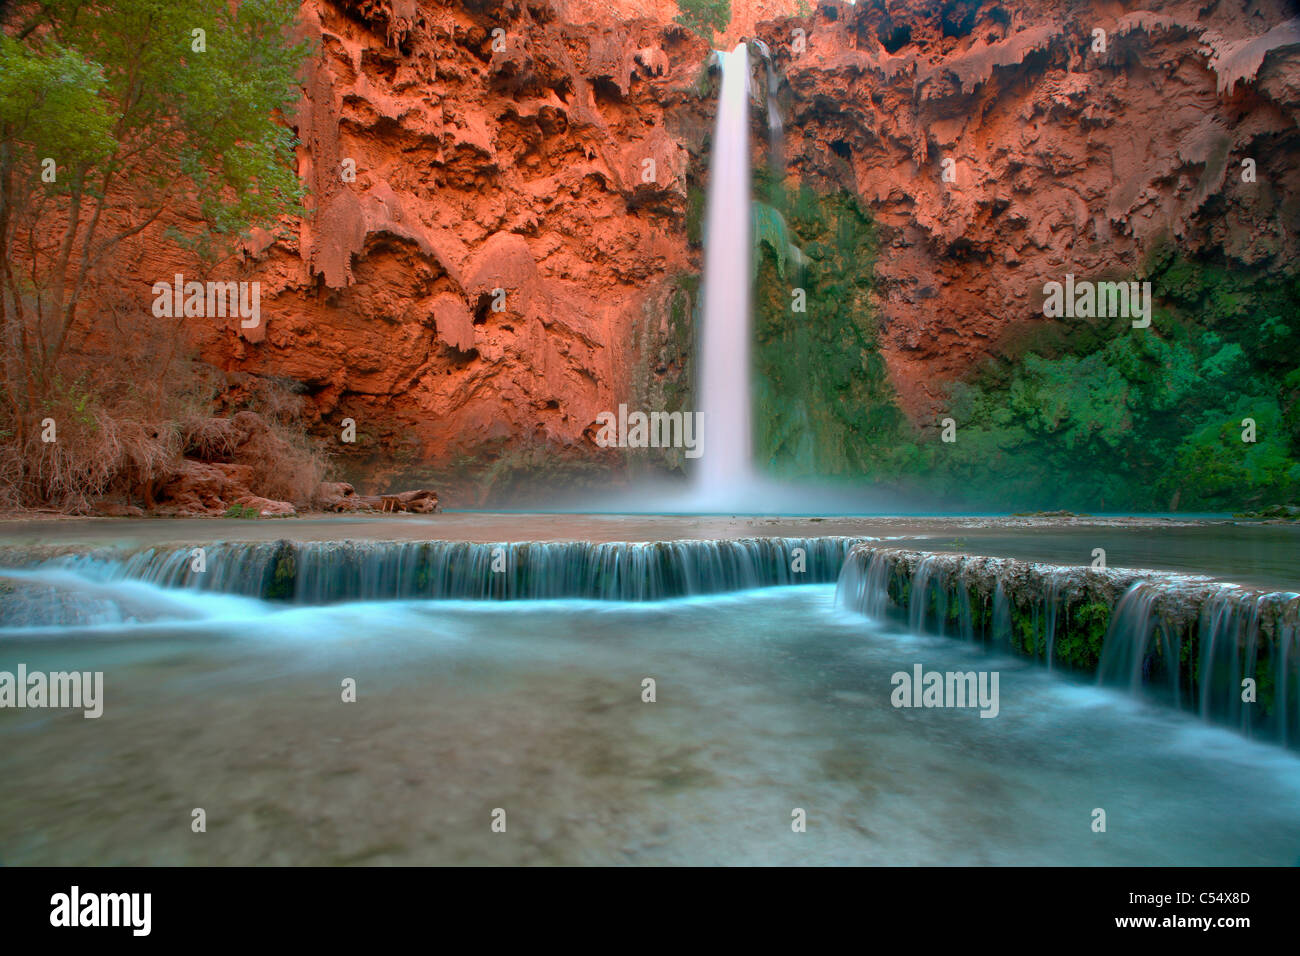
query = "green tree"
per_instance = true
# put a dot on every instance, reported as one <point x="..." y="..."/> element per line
<point x="704" y="16"/>
<point x="137" y="108"/>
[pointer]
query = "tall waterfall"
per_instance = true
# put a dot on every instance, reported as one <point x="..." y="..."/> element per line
<point x="726" y="467"/>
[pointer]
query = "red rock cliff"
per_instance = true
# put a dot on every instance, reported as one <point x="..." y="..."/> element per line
<point x="484" y="253"/>
<point x="497" y="199"/>
<point x="1065" y="157"/>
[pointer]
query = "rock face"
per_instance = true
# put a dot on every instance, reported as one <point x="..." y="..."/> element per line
<point x="497" y="231"/>
<point x="1074" y="137"/>
<point x="497" y="200"/>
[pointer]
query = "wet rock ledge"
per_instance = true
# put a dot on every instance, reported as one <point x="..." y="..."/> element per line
<point x="1192" y="640"/>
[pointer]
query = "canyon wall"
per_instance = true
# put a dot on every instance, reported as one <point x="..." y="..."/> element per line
<point x="493" y="218"/>
<point x="502" y="230"/>
<point x="1067" y="150"/>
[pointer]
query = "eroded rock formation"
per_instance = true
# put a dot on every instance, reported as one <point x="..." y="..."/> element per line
<point x="497" y="203"/>
<point x="1075" y="136"/>
<point x="471" y="288"/>
<point x="497" y="241"/>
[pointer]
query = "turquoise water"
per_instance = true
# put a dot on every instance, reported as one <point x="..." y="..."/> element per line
<point x="767" y="701"/>
<point x="1247" y="553"/>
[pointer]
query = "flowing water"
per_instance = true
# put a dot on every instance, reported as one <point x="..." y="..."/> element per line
<point x="725" y="469"/>
<point x="767" y="700"/>
<point x="318" y="572"/>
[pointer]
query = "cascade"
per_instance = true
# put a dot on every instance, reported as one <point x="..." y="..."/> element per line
<point x="324" y="572"/>
<point x="1190" y="641"/>
<point x="1128" y="657"/>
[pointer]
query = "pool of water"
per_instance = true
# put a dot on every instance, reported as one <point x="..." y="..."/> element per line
<point x="767" y="701"/>
<point x="1266" y="556"/>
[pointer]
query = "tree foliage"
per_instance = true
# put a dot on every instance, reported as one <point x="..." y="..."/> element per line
<point x="1197" y="412"/>
<point x="704" y="17"/>
<point x="144" y="111"/>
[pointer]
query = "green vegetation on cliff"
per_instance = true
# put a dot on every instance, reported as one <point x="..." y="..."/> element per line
<point x="1110" y="417"/>
<point x="704" y="16"/>
<point x="824" y="405"/>
<point x="115" y="119"/>
<point x="1089" y="415"/>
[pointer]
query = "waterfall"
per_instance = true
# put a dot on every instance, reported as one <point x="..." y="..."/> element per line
<point x="1051" y="600"/>
<point x="1234" y="647"/>
<point x="1002" y="633"/>
<point x="1126" y="660"/>
<point x="724" y="389"/>
<point x="323" y="572"/>
<point x="1229" y="653"/>
<point x="965" y="613"/>
<point x="775" y="130"/>
<point x="920" y="599"/>
<point x="863" y="586"/>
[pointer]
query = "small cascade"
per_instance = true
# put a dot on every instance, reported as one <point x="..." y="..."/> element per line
<point x="323" y="572"/>
<point x="863" y="586"/>
<point x="775" y="125"/>
<point x="920" y="600"/>
<point x="1130" y="659"/>
<point x="1001" y="634"/>
<point x="1226" y="624"/>
<point x="1247" y="649"/>
<point x="965" y="615"/>
<point x="1229" y="653"/>
<point x="1051" y="607"/>
<point x="1286" y="694"/>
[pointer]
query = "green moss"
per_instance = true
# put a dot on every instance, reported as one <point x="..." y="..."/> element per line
<point x="1078" y="645"/>
<point x="981" y="614"/>
<point x="1028" y="636"/>
<point x="283" y="575"/>
<point x="703" y="83"/>
<point x="771" y="230"/>
<point x="824" y="405"/>
<point x="696" y="205"/>
<point x="900" y="590"/>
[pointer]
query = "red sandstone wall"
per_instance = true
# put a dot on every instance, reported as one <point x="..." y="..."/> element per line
<point x="1066" y="159"/>
<point x="521" y="169"/>
<point x="475" y="169"/>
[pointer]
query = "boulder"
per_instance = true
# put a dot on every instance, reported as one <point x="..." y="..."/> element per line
<point x="266" y="508"/>
<point x="204" y="488"/>
<point x="422" y="501"/>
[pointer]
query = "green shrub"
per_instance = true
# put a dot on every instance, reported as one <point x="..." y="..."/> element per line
<point x="704" y="16"/>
